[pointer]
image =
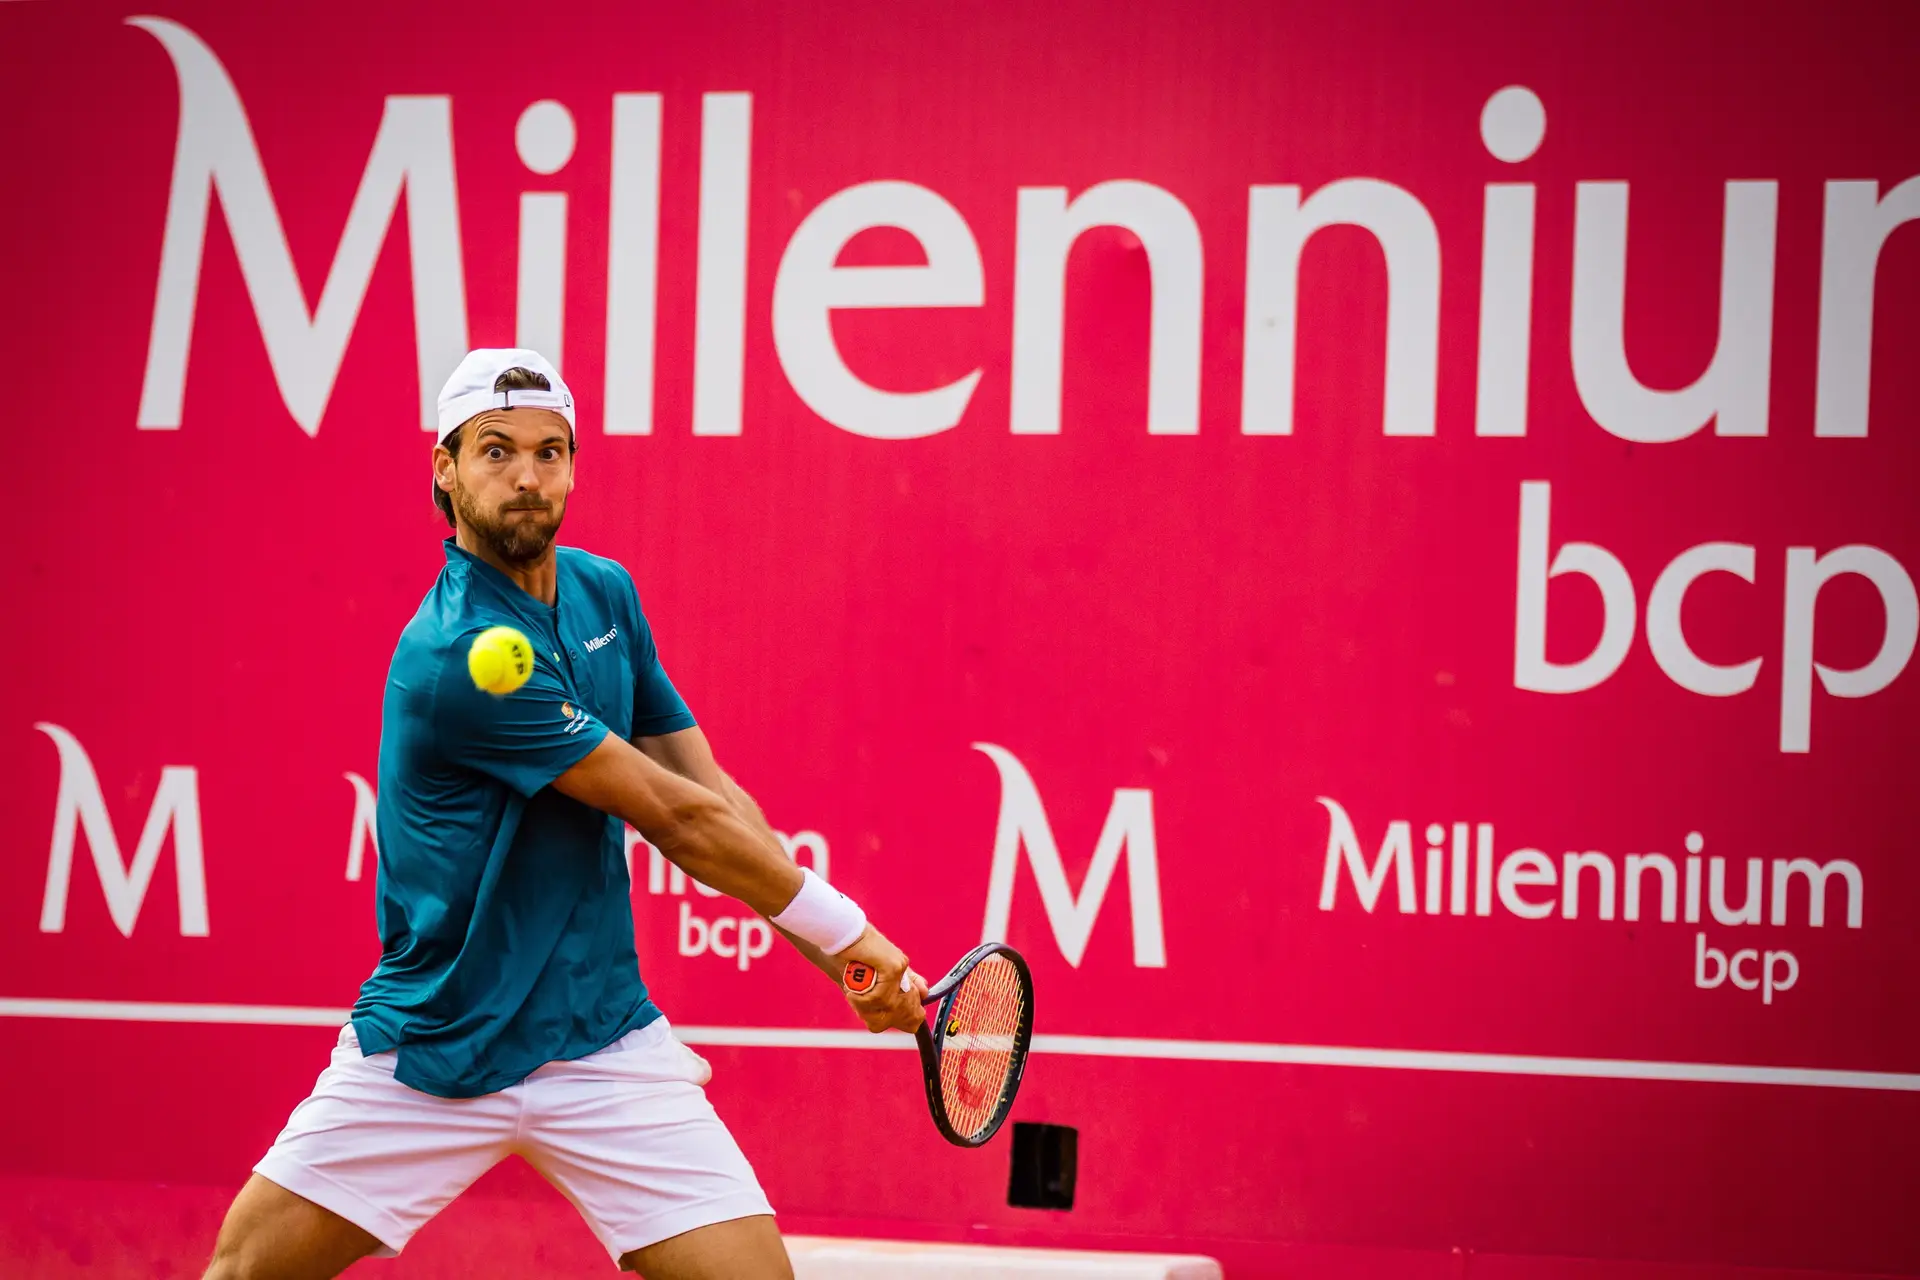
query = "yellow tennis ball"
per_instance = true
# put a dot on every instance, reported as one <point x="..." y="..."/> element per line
<point x="501" y="660"/>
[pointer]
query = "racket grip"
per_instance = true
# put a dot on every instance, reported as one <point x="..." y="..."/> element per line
<point x="861" y="977"/>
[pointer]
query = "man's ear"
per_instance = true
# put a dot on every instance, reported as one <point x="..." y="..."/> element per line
<point x="443" y="468"/>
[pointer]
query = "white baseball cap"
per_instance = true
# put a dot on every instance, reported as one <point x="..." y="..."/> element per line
<point x="470" y="390"/>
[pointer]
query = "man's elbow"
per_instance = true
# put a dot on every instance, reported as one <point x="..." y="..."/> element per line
<point x="692" y="828"/>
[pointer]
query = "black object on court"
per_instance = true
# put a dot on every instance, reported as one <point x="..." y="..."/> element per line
<point x="1045" y="1165"/>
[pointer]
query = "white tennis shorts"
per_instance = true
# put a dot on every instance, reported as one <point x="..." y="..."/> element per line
<point x="626" y="1134"/>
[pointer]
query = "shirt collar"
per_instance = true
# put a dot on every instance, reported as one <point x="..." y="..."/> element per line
<point x="510" y="592"/>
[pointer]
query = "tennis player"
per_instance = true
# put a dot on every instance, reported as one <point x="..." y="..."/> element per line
<point x="507" y="1014"/>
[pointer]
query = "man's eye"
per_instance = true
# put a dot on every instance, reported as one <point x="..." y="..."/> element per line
<point x="549" y="455"/>
<point x="496" y="454"/>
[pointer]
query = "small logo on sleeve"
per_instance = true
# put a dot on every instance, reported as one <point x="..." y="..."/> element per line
<point x="576" y="718"/>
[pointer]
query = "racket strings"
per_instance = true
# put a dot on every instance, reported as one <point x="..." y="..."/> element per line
<point x="977" y="1056"/>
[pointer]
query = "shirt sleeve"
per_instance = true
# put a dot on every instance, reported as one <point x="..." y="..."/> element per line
<point x="658" y="707"/>
<point x="524" y="739"/>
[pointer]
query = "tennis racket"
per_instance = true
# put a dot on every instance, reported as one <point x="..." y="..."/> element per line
<point x="973" y="1045"/>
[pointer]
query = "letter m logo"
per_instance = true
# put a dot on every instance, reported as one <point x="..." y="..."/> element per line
<point x="1343" y="849"/>
<point x="215" y="151"/>
<point x="1129" y="829"/>
<point x="80" y="806"/>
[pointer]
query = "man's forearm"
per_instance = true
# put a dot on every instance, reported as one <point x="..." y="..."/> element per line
<point x="711" y="852"/>
<point x="687" y="754"/>
<point x="695" y="827"/>
<point x="749" y="810"/>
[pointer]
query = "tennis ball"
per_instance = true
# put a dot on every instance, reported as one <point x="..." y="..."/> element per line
<point x="501" y="660"/>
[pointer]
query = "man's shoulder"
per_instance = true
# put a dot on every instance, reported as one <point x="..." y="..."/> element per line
<point x="604" y="572"/>
<point x="451" y="611"/>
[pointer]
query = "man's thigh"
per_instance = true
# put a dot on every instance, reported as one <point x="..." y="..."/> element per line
<point x="272" y="1234"/>
<point x="368" y="1150"/>
<point x="744" y="1249"/>
<point x="628" y="1135"/>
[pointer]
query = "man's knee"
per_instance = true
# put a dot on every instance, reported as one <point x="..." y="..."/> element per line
<point x="272" y="1234"/>
<point x="229" y="1263"/>
<point x="746" y="1248"/>
<point x="256" y="1261"/>
<point x="229" y="1260"/>
<point x="245" y="1255"/>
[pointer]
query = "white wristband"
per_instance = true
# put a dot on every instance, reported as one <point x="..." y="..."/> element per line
<point x="822" y="915"/>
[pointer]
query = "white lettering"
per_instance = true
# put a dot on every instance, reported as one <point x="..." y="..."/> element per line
<point x="80" y="805"/>
<point x="1343" y="848"/>
<point x="756" y="939"/>
<point x="1573" y="864"/>
<point x="1733" y="391"/>
<point x="815" y="846"/>
<point x="694" y="932"/>
<point x="544" y="139"/>
<point x="1735" y="972"/>
<point x="1048" y="225"/>
<point x="1749" y="912"/>
<point x="1278" y="228"/>
<point x="1637" y="866"/>
<point x="216" y="151"/>
<point x="810" y="287"/>
<point x="1807" y="574"/>
<point x="1703" y="953"/>
<point x="720" y="302"/>
<point x="633" y="264"/>
<point x="1512" y="124"/>
<point x="1129" y="829"/>
<point x="1858" y="222"/>
<point x="1531" y="669"/>
<point x="1816" y="876"/>
<point x="1669" y="643"/>
<point x="1772" y="980"/>
<point x="1525" y="867"/>
<point x="365" y="832"/>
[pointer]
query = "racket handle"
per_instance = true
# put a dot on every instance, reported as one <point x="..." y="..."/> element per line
<point x="861" y="977"/>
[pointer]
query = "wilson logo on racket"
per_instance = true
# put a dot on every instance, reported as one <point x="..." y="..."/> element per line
<point x="860" y="978"/>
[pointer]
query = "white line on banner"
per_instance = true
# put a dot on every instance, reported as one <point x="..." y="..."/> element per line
<point x="1306" y="1055"/>
<point x="265" y="1015"/>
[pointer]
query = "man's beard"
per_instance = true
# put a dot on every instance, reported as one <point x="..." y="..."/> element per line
<point x="516" y="540"/>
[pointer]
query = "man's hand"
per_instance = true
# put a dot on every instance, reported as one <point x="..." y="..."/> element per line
<point x="884" y="1006"/>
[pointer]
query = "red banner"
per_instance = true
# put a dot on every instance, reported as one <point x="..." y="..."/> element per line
<point x="1376" y="546"/>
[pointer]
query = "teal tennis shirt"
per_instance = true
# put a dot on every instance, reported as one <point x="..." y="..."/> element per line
<point x="506" y="928"/>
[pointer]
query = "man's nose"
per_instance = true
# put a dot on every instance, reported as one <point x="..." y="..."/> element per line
<point x="526" y="477"/>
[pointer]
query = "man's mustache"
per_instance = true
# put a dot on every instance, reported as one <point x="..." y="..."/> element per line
<point x="527" y="504"/>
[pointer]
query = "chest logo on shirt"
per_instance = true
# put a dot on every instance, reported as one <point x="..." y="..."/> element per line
<point x="601" y="642"/>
